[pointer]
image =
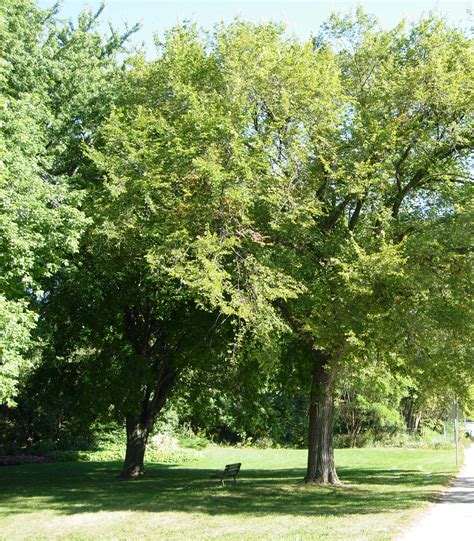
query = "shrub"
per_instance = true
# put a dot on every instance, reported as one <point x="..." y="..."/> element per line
<point x="181" y="455"/>
<point x="13" y="460"/>
<point x="194" y="442"/>
<point x="67" y="456"/>
<point x="264" y="443"/>
<point x="426" y="439"/>
<point x="163" y="448"/>
<point x="164" y="442"/>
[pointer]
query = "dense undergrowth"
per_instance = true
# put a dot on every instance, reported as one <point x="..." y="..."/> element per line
<point x="185" y="446"/>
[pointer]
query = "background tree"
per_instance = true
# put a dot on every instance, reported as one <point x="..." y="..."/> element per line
<point x="408" y="141"/>
<point x="350" y="224"/>
<point x="370" y="401"/>
<point x="39" y="221"/>
<point x="305" y="202"/>
<point x="57" y="83"/>
<point x="164" y="261"/>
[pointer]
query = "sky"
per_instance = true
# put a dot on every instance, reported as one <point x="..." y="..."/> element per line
<point x="302" y="17"/>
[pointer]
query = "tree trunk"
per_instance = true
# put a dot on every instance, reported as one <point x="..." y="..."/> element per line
<point x="139" y="427"/>
<point x="321" y="467"/>
<point x="412" y="414"/>
<point x="153" y="350"/>
<point x="137" y="437"/>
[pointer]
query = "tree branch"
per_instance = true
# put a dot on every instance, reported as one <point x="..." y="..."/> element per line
<point x="355" y="215"/>
<point x="338" y="210"/>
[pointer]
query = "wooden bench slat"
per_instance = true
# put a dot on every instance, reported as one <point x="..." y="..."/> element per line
<point x="230" y="470"/>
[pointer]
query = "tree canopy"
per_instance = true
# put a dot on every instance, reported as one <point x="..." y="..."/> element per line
<point x="58" y="81"/>
<point x="245" y="197"/>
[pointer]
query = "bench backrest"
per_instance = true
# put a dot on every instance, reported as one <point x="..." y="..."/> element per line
<point x="233" y="469"/>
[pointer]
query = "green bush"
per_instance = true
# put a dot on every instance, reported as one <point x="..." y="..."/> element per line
<point x="426" y="439"/>
<point x="110" y="446"/>
<point x="67" y="456"/>
<point x="194" y="442"/>
<point x="110" y="439"/>
<point x="152" y="455"/>
<point x="264" y="443"/>
<point x="182" y="455"/>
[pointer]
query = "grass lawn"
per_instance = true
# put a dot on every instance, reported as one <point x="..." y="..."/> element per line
<point x="382" y="490"/>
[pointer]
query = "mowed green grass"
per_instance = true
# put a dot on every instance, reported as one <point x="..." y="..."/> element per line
<point x="383" y="489"/>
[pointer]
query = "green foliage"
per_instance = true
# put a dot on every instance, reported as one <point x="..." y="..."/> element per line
<point x="57" y="82"/>
<point x="16" y="323"/>
<point x="369" y="400"/>
<point x="178" y="180"/>
<point x="383" y="266"/>
<point x="246" y="200"/>
<point x="107" y="455"/>
<point x="193" y="441"/>
<point x="425" y="439"/>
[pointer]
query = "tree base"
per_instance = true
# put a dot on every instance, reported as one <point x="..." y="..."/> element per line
<point x="329" y="480"/>
<point x="322" y="483"/>
<point x="130" y="475"/>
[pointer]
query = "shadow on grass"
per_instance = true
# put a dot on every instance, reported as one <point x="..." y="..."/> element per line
<point x="71" y="488"/>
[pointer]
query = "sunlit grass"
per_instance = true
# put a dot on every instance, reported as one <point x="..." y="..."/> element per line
<point x="382" y="490"/>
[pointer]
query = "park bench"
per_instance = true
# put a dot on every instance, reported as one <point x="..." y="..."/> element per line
<point x="231" y="470"/>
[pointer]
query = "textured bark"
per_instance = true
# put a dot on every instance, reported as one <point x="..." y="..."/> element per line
<point x="312" y="440"/>
<point x="150" y="343"/>
<point x="139" y="427"/>
<point x="321" y="467"/>
<point x="137" y="438"/>
<point x="412" y="414"/>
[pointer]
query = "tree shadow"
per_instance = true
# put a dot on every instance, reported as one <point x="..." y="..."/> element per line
<point x="461" y="491"/>
<point x="72" y="488"/>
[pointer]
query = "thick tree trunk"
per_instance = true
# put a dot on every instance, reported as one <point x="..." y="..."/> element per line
<point x="138" y="427"/>
<point x="412" y="414"/>
<point x="321" y="467"/>
<point x="137" y="437"/>
<point x="153" y="351"/>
